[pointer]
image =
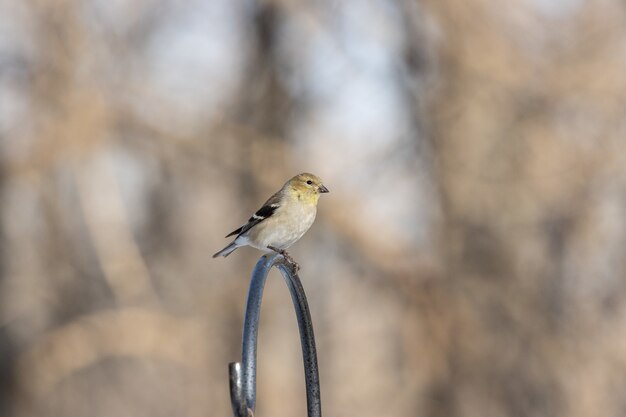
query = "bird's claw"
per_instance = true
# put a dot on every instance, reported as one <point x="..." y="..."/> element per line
<point x="294" y="265"/>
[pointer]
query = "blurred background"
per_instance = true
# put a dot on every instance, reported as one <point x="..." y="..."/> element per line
<point x="470" y="260"/>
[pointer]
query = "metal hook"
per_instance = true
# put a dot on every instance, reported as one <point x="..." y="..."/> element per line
<point x="243" y="374"/>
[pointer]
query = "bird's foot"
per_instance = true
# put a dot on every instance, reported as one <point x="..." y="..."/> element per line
<point x="294" y="265"/>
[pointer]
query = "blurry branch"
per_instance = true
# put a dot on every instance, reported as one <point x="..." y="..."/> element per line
<point x="110" y="230"/>
<point x="68" y="116"/>
<point x="218" y="149"/>
<point x="135" y="333"/>
<point x="76" y="121"/>
<point x="392" y="258"/>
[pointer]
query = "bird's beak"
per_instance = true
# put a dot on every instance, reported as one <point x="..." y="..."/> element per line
<point x="323" y="189"/>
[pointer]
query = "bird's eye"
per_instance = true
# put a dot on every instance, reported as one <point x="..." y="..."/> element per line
<point x="309" y="182"/>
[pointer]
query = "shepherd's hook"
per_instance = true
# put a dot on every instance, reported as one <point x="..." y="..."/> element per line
<point x="243" y="374"/>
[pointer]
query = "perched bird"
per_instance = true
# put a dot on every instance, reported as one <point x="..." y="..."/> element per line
<point x="282" y="220"/>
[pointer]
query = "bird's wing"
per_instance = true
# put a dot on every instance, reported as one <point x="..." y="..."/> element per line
<point x="265" y="212"/>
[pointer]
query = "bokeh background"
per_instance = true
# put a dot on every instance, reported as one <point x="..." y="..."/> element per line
<point x="470" y="260"/>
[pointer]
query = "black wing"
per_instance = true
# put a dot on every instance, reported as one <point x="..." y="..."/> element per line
<point x="265" y="212"/>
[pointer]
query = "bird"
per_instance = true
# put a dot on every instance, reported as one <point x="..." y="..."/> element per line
<point x="282" y="220"/>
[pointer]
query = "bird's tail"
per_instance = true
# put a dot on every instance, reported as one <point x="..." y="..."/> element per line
<point x="227" y="250"/>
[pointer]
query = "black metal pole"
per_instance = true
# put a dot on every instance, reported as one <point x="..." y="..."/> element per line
<point x="243" y="374"/>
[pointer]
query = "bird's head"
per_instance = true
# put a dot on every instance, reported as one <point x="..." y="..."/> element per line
<point x="308" y="187"/>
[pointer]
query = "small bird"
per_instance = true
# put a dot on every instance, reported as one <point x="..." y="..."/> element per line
<point x="282" y="220"/>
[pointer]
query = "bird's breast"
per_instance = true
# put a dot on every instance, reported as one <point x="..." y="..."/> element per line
<point x="286" y="227"/>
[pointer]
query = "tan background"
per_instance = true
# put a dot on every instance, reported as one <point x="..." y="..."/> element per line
<point x="469" y="261"/>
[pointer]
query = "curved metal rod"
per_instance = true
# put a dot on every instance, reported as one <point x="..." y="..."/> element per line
<point x="243" y="374"/>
